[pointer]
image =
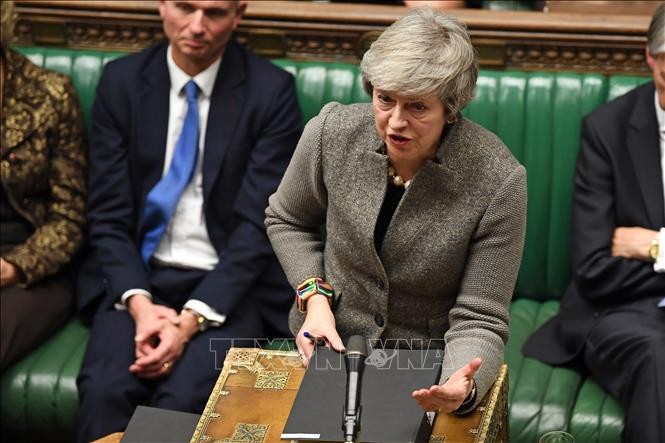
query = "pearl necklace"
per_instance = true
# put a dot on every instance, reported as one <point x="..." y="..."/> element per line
<point x="397" y="180"/>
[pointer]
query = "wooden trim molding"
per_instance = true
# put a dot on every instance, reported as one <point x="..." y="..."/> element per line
<point x="641" y="7"/>
<point x="303" y="30"/>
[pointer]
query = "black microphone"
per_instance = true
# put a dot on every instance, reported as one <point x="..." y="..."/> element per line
<point x="356" y="353"/>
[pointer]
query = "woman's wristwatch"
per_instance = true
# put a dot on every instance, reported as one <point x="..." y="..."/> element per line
<point x="311" y="287"/>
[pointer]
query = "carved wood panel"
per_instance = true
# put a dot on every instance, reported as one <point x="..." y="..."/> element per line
<point x="525" y="40"/>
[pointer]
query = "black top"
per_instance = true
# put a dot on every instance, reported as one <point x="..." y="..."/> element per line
<point x="393" y="196"/>
<point x="14" y="229"/>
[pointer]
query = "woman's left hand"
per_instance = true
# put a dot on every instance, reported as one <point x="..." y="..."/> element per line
<point x="9" y="274"/>
<point x="450" y="395"/>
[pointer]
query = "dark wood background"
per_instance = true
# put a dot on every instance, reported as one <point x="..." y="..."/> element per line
<point x="302" y="30"/>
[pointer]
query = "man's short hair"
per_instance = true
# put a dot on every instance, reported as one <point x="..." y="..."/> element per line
<point x="656" y="33"/>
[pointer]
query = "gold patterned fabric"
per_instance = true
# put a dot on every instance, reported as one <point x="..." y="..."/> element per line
<point x="43" y="165"/>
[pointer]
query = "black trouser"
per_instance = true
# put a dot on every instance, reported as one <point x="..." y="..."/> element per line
<point x="625" y="352"/>
<point x="109" y="393"/>
<point x="29" y="316"/>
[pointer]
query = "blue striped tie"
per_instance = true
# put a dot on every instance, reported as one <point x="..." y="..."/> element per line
<point x="163" y="197"/>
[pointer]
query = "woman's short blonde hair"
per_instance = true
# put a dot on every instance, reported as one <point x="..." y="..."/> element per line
<point x="7" y="22"/>
<point x="423" y="52"/>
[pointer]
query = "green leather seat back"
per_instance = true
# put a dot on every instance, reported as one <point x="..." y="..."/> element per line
<point x="538" y="115"/>
<point x="39" y="395"/>
<point x="540" y="396"/>
<point x="321" y="83"/>
<point x="620" y="84"/>
<point x="596" y="417"/>
<point x="84" y="68"/>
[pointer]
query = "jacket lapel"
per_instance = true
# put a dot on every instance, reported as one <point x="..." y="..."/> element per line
<point x="435" y="184"/>
<point x="361" y="183"/>
<point x="153" y="113"/>
<point x="371" y="191"/>
<point x="226" y="104"/>
<point x="644" y="146"/>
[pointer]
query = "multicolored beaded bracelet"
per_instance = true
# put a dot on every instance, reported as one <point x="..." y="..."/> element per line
<point x="310" y="287"/>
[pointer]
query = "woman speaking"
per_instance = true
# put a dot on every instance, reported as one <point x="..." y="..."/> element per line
<point x="424" y="212"/>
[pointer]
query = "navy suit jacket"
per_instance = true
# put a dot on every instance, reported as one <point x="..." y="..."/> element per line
<point x="618" y="182"/>
<point x="254" y="124"/>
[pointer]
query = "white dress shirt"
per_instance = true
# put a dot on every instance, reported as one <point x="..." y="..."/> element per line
<point x="659" y="265"/>
<point x="186" y="243"/>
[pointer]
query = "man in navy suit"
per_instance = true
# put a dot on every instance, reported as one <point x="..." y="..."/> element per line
<point x="612" y="318"/>
<point x="189" y="139"/>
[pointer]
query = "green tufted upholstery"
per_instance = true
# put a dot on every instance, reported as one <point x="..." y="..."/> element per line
<point x="537" y="115"/>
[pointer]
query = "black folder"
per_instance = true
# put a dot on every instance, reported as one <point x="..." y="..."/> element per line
<point x="389" y="414"/>
<point x="149" y="425"/>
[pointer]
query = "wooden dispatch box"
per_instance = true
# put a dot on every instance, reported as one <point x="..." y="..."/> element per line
<point x="254" y="393"/>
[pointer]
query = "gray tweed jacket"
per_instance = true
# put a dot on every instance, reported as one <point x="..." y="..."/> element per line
<point x="450" y="257"/>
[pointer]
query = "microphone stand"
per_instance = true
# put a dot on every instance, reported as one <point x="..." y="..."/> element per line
<point x="356" y="352"/>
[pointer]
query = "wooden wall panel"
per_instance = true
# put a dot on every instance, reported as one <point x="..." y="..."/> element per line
<point x="302" y="30"/>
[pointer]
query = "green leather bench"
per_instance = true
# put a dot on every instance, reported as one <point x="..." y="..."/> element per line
<point x="536" y="114"/>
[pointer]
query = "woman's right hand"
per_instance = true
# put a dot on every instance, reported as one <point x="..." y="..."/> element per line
<point x="320" y="322"/>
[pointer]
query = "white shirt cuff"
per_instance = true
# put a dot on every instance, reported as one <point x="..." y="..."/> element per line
<point x="215" y="318"/>
<point x="659" y="265"/>
<point x="122" y="304"/>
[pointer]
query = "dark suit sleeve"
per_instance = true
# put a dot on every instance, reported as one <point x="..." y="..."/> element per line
<point x="111" y="206"/>
<point x="243" y="261"/>
<point x="601" y="277"/>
